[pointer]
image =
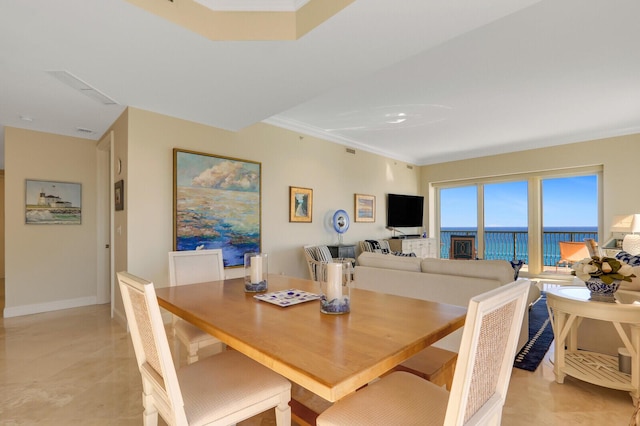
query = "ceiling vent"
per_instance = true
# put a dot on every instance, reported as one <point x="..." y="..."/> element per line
<point x="75" y="83"/>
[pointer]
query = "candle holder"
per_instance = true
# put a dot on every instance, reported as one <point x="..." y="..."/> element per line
<point x="256" y="270"/>
<point x="335" y="287"/>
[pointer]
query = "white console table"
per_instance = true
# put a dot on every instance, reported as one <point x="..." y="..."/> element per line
<point x="422" y="247"/>
<point x="567" y="306"/>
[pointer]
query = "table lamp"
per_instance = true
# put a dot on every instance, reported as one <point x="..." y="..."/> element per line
<point x="629" y="224"/>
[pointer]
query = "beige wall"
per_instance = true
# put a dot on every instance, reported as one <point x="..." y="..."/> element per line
<point x="288" y="159"/>
<point x="51" y="267"/>
<point x="48" y="267"/>
<point x="40" y="279"/>
<point x="2" y="237"/>
<point x="613" y="158"/>
<point x="618" y="157"/>
<point x="120" y="232"/>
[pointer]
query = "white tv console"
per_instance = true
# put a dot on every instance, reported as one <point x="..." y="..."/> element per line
<point x="422" y="247"/>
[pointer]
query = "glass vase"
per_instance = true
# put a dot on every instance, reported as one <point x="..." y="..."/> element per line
<point x="335" y="287"/>
<point x="256" y="270"/>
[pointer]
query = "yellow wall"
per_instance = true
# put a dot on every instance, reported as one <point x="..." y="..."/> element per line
<point x="48" y="267"/>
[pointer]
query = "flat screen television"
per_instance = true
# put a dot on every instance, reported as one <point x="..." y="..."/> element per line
<point x="404" y="211"/>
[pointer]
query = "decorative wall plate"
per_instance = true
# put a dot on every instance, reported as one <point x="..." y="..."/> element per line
<point x="341" y="221"/>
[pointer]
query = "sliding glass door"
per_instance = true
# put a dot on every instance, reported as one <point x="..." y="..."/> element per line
<point x="506" y="226"/>
<point x="523" y="218"/>
<point x="569" y="213"/>
<point x="458" y="215"/>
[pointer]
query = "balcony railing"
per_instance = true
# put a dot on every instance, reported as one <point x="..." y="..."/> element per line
<point x="510" y="245"/>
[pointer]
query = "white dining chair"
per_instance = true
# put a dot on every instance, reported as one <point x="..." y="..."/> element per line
<point x="223" y="389"/>
<point x="190" y="267"/>
<point x="480" y="381"/>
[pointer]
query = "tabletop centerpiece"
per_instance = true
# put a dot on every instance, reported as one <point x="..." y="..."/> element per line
<point x="602" y="276"/>
<point x="335" y="282"/>
<point x="256" y="271"/>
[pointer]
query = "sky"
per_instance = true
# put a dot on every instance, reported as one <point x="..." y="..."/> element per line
<point x="567" y="202"/>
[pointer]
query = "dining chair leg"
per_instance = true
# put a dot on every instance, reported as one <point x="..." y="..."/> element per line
<point x="150" y="413"/>
<point x="192" y="356"/>
<point x="283" y="413"/>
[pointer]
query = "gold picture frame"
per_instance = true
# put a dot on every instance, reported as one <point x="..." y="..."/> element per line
<point x="217" y="204"/>
<point x="365" y="208"/>
<point x="300" y="204"/>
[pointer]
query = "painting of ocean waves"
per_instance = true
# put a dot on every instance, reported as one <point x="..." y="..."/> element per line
<point x="217" y="205"/>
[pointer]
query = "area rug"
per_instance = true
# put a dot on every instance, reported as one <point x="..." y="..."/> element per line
<point x="540" y="336"/>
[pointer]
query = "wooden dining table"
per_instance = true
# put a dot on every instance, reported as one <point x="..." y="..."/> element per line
<point x="329" y="355"/>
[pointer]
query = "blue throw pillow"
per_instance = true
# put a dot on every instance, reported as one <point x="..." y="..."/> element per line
<point x="628" y="258"/>
<point x="516" y="265"/>
<point x="399" y="253"/>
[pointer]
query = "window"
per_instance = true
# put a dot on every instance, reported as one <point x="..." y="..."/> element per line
<point x="506" y="226"/>
<point x="503" y="214"/>
<point x="569" y="213"/>
<point x="458" y="215"/>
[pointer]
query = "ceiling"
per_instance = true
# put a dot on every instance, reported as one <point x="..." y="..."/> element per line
<point x="421" y="81"/>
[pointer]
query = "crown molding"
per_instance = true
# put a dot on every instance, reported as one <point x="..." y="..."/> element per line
<point x="297" y="126"/>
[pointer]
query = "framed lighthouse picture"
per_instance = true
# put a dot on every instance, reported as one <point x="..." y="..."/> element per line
<point x="53" y="203"/>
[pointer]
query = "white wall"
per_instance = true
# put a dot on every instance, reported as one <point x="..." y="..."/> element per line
<point x="48" y="267"/>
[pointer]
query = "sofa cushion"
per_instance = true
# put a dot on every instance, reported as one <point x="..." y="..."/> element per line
<point x="378" y="260"/>
<point x="399" y="253"/>
<point x="376" y="246"/>
<point x="499" y="270"/>
<point x="628" y="258"/>
<point x="321" y="254"/>
<point x="634" y="261"/>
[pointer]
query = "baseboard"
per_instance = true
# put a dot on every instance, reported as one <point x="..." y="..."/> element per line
<point x="38" y="308"/>
<point x="120" y="318"/>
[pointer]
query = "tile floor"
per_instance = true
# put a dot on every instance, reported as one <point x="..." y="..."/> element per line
<point x="77" y="367"/>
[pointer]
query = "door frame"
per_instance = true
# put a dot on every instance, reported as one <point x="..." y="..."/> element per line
<point x="105" y="274"/>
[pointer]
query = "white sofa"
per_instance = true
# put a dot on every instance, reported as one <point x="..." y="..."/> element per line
<point x="440" y="280"/>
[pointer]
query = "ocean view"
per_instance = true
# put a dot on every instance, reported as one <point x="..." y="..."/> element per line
<point x="510" y="243"/>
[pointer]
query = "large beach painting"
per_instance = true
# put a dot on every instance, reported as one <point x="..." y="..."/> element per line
<point x="53" y="203"/>
<point x="216" y="204"/>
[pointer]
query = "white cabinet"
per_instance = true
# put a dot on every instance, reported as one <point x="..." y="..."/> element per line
<point x="422" y="247"/>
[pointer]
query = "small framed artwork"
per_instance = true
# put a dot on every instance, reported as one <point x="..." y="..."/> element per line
<point x="365" y="208"/>
<point x="119" y="195"/>
<point x="53" y="203"/>
<point x="300" y="204"/>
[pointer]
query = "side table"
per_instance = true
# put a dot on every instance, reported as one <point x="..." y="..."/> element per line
<point x="567" y="306"/>
<point x="343" y="251"/>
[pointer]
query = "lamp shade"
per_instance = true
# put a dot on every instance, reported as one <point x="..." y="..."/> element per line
<point x="626" y="223"/>
<point x="631" y="244"/>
